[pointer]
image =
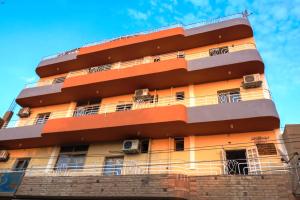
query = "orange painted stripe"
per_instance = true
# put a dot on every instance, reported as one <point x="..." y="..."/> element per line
<point x="131" y="40"/>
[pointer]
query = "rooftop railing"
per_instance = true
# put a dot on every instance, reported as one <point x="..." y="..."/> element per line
<point x="148" y="59"/>
<point x="151" y="102"/>
<point x="188" y="26"/>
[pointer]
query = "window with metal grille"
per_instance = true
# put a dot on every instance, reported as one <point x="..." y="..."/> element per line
<point x="179" y="96"/>
<point x="21" y="164"/>
<point x="42" y="118"/>
<point x="218" y="51"/>
<point x="156" y="59"/>
<point x="229" y="96"/>
<point x="59" y="80"/>
<point x="113" y="166"/>
<point x="100" y="68"/>
<point x="179" y="143"/>
<point x="266" y="149"/>
<point x="123" y="107"/>
<point x="89" y="107"/>
<point x="71" y="157"/>
<point x="144" y="145"/>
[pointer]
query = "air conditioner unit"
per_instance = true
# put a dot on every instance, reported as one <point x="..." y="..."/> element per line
<point x="24" y="112"/>
<point x="131" y="146"/>
<point x="141" y="92"/>
<point x="251" y="81"/>
<point x="4" y="155"/>
<point x="180" y="55"/>
<point x="141" y="95"/>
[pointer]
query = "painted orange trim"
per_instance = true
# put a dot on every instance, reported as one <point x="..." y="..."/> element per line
<point x="138" y="70"/>
<point x="131" y="40"/>
<point x="157" y="115"/>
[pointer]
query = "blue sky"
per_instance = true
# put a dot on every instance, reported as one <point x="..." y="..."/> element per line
<point x="32" y="29"/>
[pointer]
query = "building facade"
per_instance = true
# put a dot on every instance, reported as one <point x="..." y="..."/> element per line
<point x="182" y="112"/>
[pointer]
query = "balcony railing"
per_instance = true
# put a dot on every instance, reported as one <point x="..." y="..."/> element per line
<point x="145" y="60"/>
<point x="188" y="26"/>
<point x="106" y="108"/>
<point x="257" y="166"/>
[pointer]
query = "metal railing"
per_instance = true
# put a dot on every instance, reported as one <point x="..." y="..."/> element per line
<point x="258" y="166"/>
<point x="188" y="26"/>
<point x="145" y="60"/>
<point x="154" y="101"/>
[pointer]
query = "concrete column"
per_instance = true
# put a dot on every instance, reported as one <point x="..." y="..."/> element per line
<point x="53" y="158"/>
<point x="192" y="98"/>
<point x="192" y="140"/>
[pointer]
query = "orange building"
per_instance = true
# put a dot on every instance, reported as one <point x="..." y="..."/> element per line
<point x="145" y="116"/>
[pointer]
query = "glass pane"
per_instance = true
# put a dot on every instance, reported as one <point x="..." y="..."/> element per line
<point x="113" y="166"/>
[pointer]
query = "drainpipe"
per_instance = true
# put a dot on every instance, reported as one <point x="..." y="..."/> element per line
<point x="8" y="114"/>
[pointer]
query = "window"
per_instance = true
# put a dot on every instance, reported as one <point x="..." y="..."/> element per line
<point x="89" y="107"/>
<point x="218" y="51"/>
<point x="179" y="144"/>
<point x="156" y="59"/>
<point x="42" y="118"/>
<point x="179" y="96"/>
<point x="100" y="68"/>
<point x="113" y="166"/>
<point x="21" y="164"/>
<point x="123" y="107"/>
<point x="266" y="149"/>
<point x="229" y="96"/>
<point x="144" y="145"/>
<point x="236" y="162"/>
<point x="59" y="80"/>
<point x="71" y="157"/>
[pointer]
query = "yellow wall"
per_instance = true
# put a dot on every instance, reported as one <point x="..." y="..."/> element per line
<point x="39" y="157"/>
<point x="206" y="148"/>
<point x="201" y="94"/>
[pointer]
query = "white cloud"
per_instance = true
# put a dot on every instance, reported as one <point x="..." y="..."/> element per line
<point x="138" y="15"/>
<point x="28" y="79"/>
<point x="200" y="3"/>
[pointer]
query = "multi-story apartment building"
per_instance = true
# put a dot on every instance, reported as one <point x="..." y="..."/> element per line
<point x="182" y="112"/>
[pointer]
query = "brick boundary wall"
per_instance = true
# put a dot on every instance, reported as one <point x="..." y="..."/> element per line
<point x="159" y="186"/>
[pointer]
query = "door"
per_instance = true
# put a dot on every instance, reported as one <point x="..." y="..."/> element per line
<point x="236" y="162"/>
<point x="253" y="161"/>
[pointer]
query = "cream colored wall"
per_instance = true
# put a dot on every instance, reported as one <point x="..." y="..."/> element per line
<point x="207" y="148"/>
<point x="39" y="157"/>
<point x="38" y="110"/>
<point x="203" y="94"/>
<point x="49" y="79"/>
<point x="236" y="45"/>
<point x="194" y="53"/>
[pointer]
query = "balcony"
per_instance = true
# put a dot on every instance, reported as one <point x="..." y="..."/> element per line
<point x="155" y="42"/>
<point x="123" y="78"/>
<point x="247" y="111"/>
<point x="155" y="180"/>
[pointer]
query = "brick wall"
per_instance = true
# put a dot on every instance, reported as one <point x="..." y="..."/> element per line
<point x="154" y="186"/>
<point x="159" y="187"/>
<point x="241" y="187"/>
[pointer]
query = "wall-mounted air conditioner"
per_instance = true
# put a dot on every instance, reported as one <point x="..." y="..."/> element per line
<point x="131" y="146"/>
<point x="4" y="155"/>
<point x="24" y="112"/>
<point x="180" y="54"/>
<point x="251" y="81"/>
<point x="141" y="95"/>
